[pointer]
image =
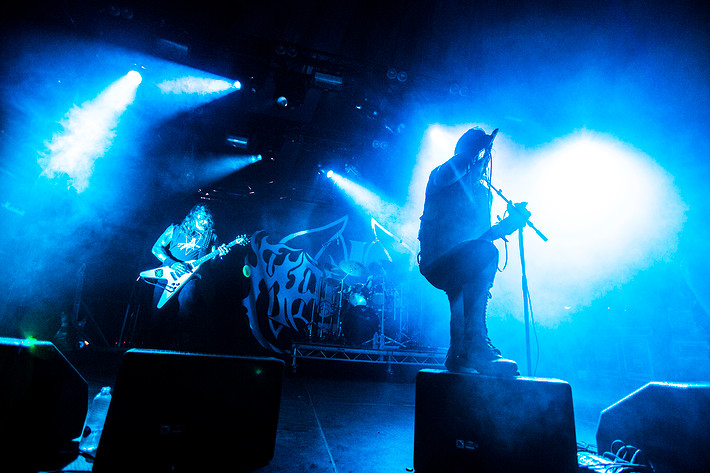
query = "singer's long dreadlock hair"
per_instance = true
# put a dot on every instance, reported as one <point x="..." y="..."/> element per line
<point x="487" y="174"/>
<point x="488" y="169"/>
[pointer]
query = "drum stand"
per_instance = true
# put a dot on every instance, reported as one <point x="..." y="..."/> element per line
<point x="384" y="339"/>
<point x="380" y="340"/>
<point x="334" y="329"/>
<point x="316" y="312"/>
<point x="402" y="335"/>
<point x="339" y="331"/>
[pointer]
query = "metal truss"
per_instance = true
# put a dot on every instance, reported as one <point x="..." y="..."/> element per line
<point x="387" y="356"/>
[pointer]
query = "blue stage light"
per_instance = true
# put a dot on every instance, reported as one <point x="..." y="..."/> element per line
<point x="372" y="204"/>
<point x="282" y="102"/>
<point x="134" y="77"/>
<point x="88" y="132"/>
<point x="196" y="85"/>
<point x="211" y="169"/>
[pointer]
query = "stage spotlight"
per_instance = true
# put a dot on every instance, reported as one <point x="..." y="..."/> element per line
<point x="235" y="163"/>
<point x="282" y="101"/>
<point x="329" y="174"/>
<point x="596" y="244"/>
<point x="197" y="85"/>
<point x="134" y="77"/>
<point x="239" y="142"/>
<point x="290" y="89"/>
<point x="213" y="169"/>
<point x="88" y="132"/>
<point x="327" y="81"/>
<point x="176" y="87"/>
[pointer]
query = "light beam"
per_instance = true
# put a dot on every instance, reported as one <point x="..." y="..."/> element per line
<point x="197" y="85"/>
<point x="387" y="213"/>
<point x="88" y="131"/>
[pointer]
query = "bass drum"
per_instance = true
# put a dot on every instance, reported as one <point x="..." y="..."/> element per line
<point x="359" y="325"/>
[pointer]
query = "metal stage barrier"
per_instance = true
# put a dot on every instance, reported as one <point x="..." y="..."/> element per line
<point x="430" y="357"/>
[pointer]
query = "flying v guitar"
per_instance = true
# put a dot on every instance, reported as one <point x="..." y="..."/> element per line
<point x="175" y="281"/>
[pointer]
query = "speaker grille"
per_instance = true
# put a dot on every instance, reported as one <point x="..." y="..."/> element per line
<point x="468" y="422"/>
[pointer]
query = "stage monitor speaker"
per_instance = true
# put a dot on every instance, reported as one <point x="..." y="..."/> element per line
<point x="475" y="423"/>
<point x="669" y="422"/>
<point x="186" y="412"/>
<point x="43" y="403"/>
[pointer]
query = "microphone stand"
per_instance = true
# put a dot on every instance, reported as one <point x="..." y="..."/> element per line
<point x="526" y="292"/>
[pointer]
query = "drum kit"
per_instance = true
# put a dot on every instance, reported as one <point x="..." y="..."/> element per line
<point x="359" y="306"/>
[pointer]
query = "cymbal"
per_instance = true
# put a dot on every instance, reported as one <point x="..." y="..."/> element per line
<point x="334" y="282"/>
<point x="351" y="267"/>
<point x="332" y="270"/>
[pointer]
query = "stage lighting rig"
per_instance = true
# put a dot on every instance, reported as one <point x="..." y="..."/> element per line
<point x="239" y="142"/>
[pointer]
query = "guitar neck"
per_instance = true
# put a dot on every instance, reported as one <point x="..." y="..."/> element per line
<point x="214" y="253"/>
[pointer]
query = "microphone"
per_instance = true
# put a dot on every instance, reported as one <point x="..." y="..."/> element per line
<point x="485" y="154"/>
<point x="493" y="136"/>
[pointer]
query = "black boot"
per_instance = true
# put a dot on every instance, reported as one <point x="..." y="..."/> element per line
<point x="487" y="359"/>
<point x="456" y="356"/>
<point x="481" y="354"/>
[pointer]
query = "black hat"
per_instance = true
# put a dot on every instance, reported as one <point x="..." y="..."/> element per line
<point x="474" y="140"/>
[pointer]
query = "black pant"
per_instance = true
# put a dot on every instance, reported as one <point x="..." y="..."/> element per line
<point x="466" y="273"/>
<point x="179" y="324"/>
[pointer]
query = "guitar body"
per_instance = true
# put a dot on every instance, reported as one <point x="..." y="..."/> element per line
<point x="173" y="282"/>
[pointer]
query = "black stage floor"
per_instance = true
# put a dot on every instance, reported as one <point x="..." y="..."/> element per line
<point x="336" y="416"/>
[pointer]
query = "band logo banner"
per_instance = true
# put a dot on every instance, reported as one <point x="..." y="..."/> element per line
<point x="284" y="283"/>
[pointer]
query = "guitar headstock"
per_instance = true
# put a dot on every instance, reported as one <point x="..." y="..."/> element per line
<point x="241" y="240"/>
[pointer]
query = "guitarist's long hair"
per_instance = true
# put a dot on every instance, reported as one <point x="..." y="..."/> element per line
<point x="188" y="223"/>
